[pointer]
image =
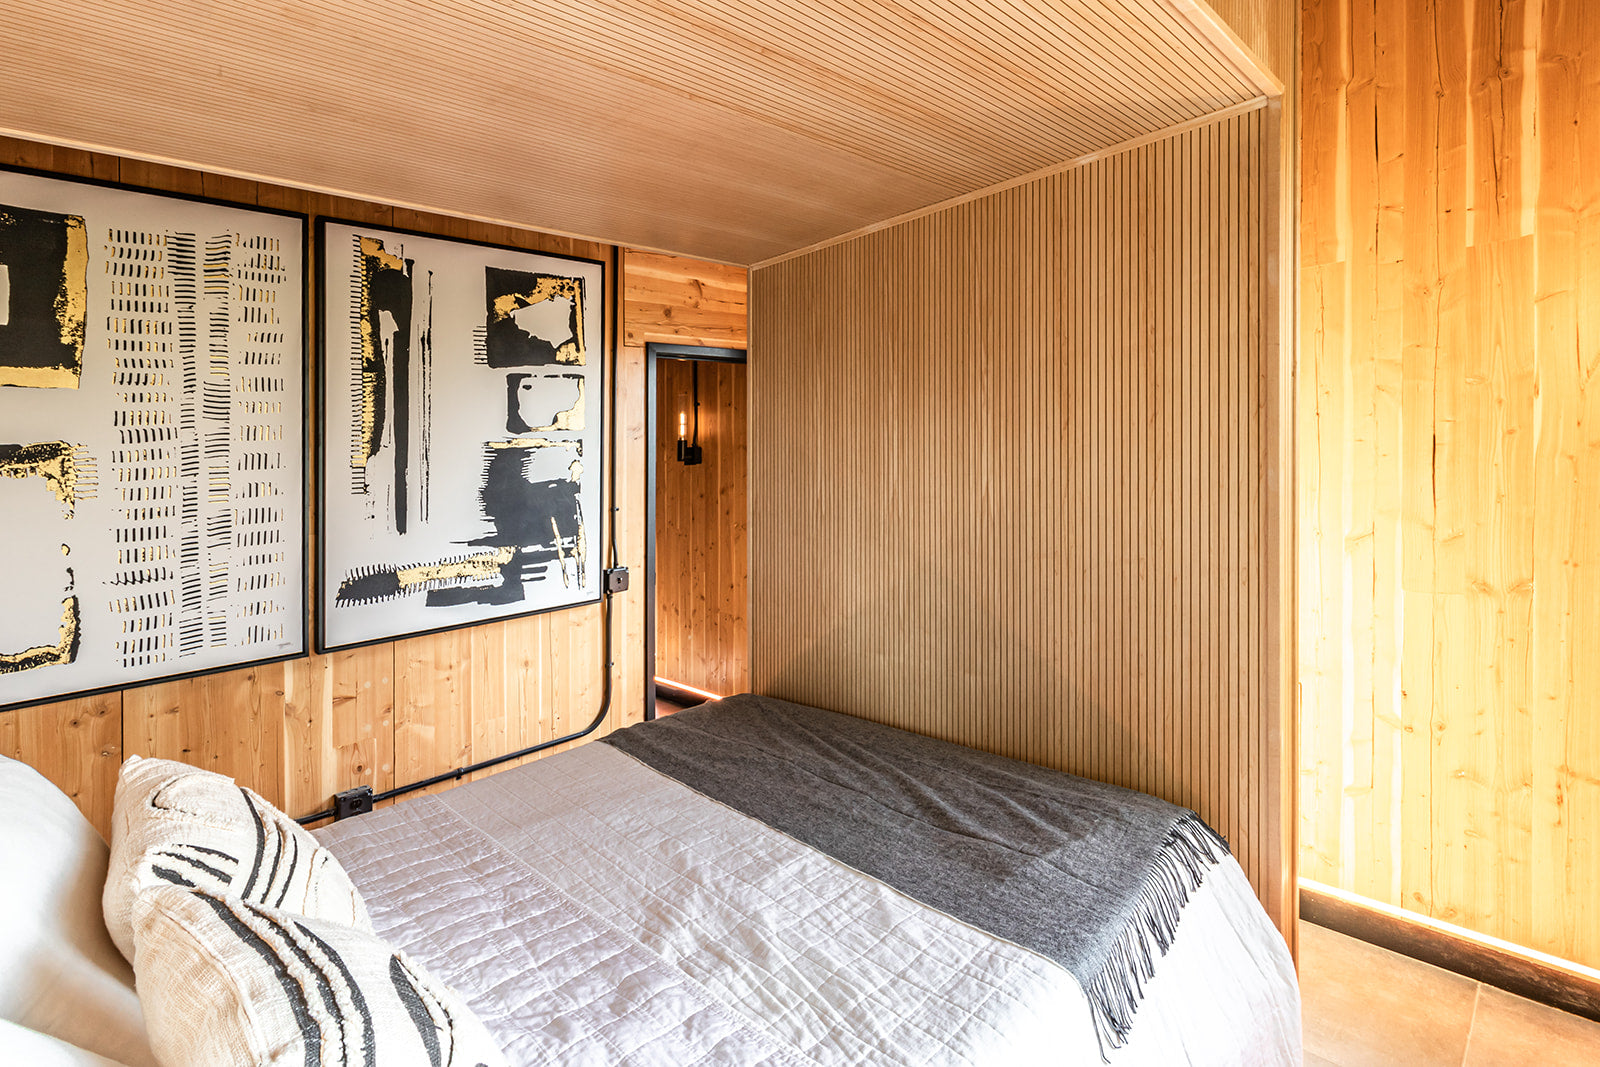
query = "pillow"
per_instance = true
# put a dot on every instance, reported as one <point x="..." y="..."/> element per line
<point x="228" y="981"/>
<point x="60" y="975"/>
<point x="18" y="1044"/>
<point x="176" y="824"/>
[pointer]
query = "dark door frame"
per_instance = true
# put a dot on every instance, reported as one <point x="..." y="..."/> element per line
<point x="654" y="351"/>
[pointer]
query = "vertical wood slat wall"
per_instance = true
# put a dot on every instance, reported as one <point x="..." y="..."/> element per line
<point x="394" y="712"/>
<point x="702" y="551"/>
<point x="1010" y="481"/>
<point x="1268" y="28"/>
<point x="1450" y="462"/>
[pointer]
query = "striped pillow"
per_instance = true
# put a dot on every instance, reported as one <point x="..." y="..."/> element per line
<point x="173" y="824"/>
<point x="226" y="981"/>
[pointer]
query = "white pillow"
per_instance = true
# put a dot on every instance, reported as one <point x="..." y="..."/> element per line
<point x="20" y="1045"/>
<point x="59" y="973"/>
<point x="225" y="981"/>
<point x="176" y="824"/>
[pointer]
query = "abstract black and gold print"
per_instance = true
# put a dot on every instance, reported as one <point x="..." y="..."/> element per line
<point x="44" y="297"/>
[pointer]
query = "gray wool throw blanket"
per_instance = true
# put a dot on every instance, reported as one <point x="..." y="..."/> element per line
<point x="1090" y="875"/>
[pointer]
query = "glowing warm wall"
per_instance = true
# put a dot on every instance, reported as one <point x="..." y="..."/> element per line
<point x="1450" y="462"/>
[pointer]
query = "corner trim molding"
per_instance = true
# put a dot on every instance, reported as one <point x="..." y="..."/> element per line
<point x="1227" y="44"/>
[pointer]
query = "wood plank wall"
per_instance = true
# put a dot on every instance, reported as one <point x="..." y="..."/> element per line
<point x="1012" y="482"/>
<point x="702" y="521"/>
<point x="673" y="300"/>
<point x="391" y="713"/>
<point x="1450" y="474"/>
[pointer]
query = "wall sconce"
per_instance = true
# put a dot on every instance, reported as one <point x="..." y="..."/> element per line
<point x="689" y="450"/>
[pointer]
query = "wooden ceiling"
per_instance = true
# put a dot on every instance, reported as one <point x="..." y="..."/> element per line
<point x="733" y="130"/>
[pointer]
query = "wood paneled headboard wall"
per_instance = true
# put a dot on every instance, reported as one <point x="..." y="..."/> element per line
<point x="1014" y="479"/>
<point x="395" y="712"/>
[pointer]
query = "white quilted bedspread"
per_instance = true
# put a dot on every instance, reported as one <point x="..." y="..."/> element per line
<point x="593" y="911"/>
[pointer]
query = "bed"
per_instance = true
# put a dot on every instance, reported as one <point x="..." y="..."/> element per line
<point x="594" y="908"/>
<point x="758" y="882"/>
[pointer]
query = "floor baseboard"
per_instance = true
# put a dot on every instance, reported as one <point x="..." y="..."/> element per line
<point x="1481" y="962"/>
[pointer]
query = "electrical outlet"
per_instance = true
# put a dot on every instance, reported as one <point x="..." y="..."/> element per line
<point x="357" y="801"/>
<point x="616" y="579"/>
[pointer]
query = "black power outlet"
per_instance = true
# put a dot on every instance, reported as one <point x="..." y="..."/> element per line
<point x="357" y="801"/>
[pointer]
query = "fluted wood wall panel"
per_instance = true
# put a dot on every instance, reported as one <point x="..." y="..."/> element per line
<point x="1267" y="28"/>
<point x="393" y="712"/>
<point x="1450" y="474"/>
<point x="702" y="526"/>
<point x="1012" y="486"/>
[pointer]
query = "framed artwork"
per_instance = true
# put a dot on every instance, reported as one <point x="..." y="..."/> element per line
<point x="152" y="436"/>
<point x="460" y="438"/>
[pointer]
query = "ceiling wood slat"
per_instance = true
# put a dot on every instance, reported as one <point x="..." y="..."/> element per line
<point x="733" y="130"/>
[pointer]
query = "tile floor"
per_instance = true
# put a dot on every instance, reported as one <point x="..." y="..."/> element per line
<point x="1367" y="1007"/>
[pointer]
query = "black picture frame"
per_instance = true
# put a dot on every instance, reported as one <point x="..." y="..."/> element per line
<point x="325" y="642"/>
<point x="157" y="667"/>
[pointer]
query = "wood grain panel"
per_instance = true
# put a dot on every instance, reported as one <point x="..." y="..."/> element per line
<point x="1450" y="257"/>
<point x="678" y="300"/>
<point x="629" y="418"/>
<point x="231" y="722"/>
<point x="675" y="300"/>
<point x="1010" y="488"/>
<point x="735" y="130"/>
<point x="77" y="744"/>
<point x="702" y="551"/>
<point x="383" y="715"/>
<point x="338" y="726"/>
<point x="434" y="705"/>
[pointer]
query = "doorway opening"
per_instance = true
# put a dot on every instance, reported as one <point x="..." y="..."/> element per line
<point x="696" y="527"/>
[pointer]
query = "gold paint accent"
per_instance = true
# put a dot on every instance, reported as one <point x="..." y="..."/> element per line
<point x="575" y="471"/>
<point x="570" y="419"/>
<point x="371" y="350"/>
<point x="72" y="303"/>
<point x="485" y="566"/>
<point x="51" y="460"/>
<point x="39" y="377"/>
<point x="373" y="248"/>
<point x="535" y="442"/>
<point x="579" y="551"/>
<point x="72" y="316"/>
<point x="47" y="655"/>
<point x="505" y="305"/>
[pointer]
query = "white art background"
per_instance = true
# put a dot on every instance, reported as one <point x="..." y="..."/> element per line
<point x="462" y="402"/>
<point x="197" y="597"/>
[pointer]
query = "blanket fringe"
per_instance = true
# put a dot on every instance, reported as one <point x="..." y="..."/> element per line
<point x="1190" y="850"/>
